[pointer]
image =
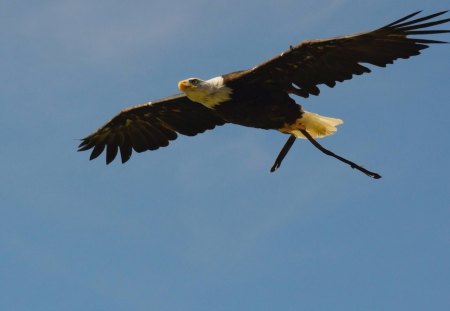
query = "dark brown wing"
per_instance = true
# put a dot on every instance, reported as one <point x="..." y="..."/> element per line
<point x="149" y="126"/>
<point x="301" y="68"/>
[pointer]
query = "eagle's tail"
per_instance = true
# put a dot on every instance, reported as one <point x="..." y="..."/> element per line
<point x="316" y="125"/>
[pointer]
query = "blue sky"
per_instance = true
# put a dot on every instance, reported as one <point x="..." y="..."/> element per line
<point x="203" y="225"/>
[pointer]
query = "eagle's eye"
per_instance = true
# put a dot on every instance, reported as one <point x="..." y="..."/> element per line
<point x="194" y="82"/>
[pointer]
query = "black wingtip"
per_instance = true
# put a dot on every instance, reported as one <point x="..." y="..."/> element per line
<point x="83" y="143"/>
<point x="108" y="159"/>
<point x="84" y="146"/>
<point x="406" y="21"/>
<point x="125" y="153"/>
<point x="403" y="19"/>
<point x="125" y="160"/>
<point x="98" y="149"/>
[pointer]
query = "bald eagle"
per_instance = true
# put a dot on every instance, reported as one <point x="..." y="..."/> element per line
<point x="260" y="97"/>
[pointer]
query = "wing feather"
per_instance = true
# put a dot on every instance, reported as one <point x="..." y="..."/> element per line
<point x="303" y="67"/>
<point x="126" y="149"/>
<point x="111" y="152"/>
<point x="148" y="127"/>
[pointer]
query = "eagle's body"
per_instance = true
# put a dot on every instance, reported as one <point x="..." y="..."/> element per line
<point x="261" y="97"/>
<point x="258" y="105"/>
<point x="247" y="104"/>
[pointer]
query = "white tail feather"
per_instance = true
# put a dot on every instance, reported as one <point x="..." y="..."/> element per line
<point x="316" y="125"/>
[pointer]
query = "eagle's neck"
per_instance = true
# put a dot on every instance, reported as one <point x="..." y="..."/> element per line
<point x="211" y="93"/>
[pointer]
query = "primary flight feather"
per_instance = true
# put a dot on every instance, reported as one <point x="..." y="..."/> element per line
<point x="260" y="97"/>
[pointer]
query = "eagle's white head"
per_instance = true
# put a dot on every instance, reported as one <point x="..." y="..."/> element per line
<point x="209" y="93"/>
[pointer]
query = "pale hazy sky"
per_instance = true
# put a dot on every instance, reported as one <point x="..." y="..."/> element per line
<point x="202" y="224"/>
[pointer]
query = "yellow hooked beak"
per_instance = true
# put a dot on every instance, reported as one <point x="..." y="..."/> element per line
<point x="183" y="85"/>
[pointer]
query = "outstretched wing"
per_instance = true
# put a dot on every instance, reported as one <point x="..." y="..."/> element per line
<point x="301" y="68"/>
<point x="149" y="126"/>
